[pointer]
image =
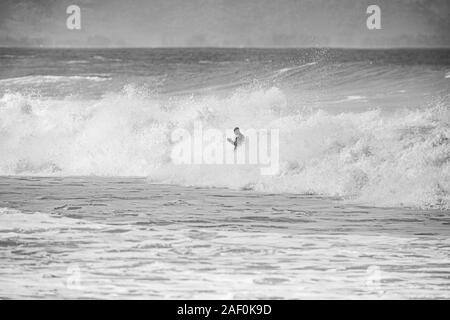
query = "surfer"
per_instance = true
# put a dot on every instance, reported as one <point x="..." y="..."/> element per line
<point x="239" y="138"/>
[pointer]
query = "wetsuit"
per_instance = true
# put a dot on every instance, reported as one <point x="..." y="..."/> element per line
<point x="239" y="139"/>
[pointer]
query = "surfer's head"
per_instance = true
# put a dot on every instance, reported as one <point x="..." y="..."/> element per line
<point x="236" y="131"/>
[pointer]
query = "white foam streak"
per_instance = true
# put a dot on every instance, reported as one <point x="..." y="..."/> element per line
<point x="51" y="79"/>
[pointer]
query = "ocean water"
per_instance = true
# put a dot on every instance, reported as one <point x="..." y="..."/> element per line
<point x="93" y="206"/>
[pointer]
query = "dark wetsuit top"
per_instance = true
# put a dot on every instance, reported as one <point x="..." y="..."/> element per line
<point x="238" y="140"/>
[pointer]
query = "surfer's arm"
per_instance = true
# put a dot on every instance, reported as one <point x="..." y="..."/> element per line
<point x="234" y="143"/>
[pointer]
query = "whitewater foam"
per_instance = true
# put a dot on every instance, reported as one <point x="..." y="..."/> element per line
<point x="15" y="222"/>
<point x="395" y="159"/>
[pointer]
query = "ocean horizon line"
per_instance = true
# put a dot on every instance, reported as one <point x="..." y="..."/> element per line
<point x="226" y="47"/>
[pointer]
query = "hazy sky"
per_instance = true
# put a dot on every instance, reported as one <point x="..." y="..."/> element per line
<point x="236" y="23"/>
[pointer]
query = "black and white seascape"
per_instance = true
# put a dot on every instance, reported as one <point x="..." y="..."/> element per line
<point x="117" y="180"/>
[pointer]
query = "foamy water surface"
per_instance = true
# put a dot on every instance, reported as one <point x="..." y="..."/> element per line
<point x="126" y="238"/>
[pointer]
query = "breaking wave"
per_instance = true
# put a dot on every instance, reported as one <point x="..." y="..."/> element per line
<point x="400" y="158"/>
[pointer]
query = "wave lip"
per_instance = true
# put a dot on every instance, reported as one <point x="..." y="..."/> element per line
<point x="296" y="68"/>
<point x="77" y="62"/>
<point x="39" y="79"/>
